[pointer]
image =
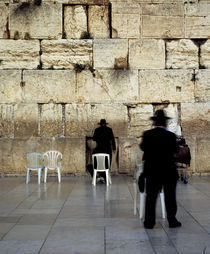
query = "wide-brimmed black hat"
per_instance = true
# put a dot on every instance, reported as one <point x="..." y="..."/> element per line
<point x="160" y="116"/>
<point x="103" y="122"/>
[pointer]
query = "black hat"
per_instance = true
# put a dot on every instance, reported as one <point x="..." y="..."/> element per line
<point x="160" y="116"/>
<point x="103" y="122"/>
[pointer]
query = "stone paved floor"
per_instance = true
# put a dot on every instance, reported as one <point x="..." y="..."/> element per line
<point x="75" y="218"/>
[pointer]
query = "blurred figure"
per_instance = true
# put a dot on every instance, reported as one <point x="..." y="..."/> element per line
<point x="159" y="146"/>
<point x="105" y="142"/>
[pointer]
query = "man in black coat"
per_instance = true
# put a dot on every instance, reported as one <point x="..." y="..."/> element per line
<point x="104" y="138"/>
<point x="159" y="146"/>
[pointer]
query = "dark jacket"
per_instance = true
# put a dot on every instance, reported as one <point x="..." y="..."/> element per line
<point x="104" y="138"/>
<point x="159" y="146"/>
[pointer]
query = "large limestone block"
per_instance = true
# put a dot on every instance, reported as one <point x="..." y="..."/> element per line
<point x="109" y="54"/>
<point x="78" y="2"/>
<point x="182" y="54"/>
<point x="108" y="86"/>
<point x="44" y="86"/>
<point x="198" y="20"/>
<point x="75" y="21"/>
<point x="139" y="119"/>
<point x="73" y="151"/>
<point x="4" y="16"/>
<point x="126" y="20"/>
<point x="158" y="86"/>
<point x="195" y="119"/>
<point x="98" y="21"/>
<point x="12" y="156"/>
<point x="115" y="114"/>
<point x="10" y="86"/>
<point x="146" y="54"/>
<point x="163" y="9"/>
<point x="19" y="54"/>
<point x="51" y="120"/>
<point x="202" y="86"/>
<point x="205" y="55"/>
<point x="128" y="153"/>
<point x="78" y="120"/>
<point x="162" y="26"/>
<point x="25" y="120"/>
<point x="6" y="120"/>
<point x="33" y="21"/>
<point x="59" y="54"/>
<point x="202" y="155"/>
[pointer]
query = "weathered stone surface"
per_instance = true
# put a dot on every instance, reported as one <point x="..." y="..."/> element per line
<point x="195" y="119"/>
<point x="171" y="110"/>
<point x="79" y="2"/>
<point x="126" y="20"/>
<point x="198" y="20"/>
<point x="51" y="124"/>
<point x="202" y="155"/>
<point x="166" y="86"/>
<point x="10" y="86"/>
<point x="98" y="21"/>
<point x="6" y="120"/>
<point x="66" y="54"/>
<point x="202" y="86"/>
<point x="139" y="119"/>
<point x="44" y="86"/>
<point x="162" y="26"/>
<point x="128" y="153"/>
<point x="182" y="54"/>
<point x="205" y="55"/>
<point x="73" y="150"/>
<point x="146" y="54"/>
<point x="115" y="114"/>
<point x="163" y="9"/>
<point x="108" y="86"/>
<point x="108" y="52"/>
<point x="33" y="21"/>
<point x="25" y="120"/>
<point x="78" y="120"/>
<point x="4" y="16"/>
<point x="19" y="54"/>
<point x="75" y="21"/>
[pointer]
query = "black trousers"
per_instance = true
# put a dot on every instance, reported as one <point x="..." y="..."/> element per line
<point x="152" y="190"/>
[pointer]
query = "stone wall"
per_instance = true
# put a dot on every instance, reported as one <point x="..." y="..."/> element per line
<point x="65" y="64"/>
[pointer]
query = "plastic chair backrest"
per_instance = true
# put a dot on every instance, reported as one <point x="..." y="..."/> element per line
<point x="101" y="161"/>
<point x="35" y="159"/>
<point x="53" y="158"/>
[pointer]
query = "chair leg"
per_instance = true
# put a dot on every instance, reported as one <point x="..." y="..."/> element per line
<point x="110" y="179"/>
<point x="39" y="175"/>
<point x="59" y="175"/>
<point x="94" y="178"/>
<point x="142" y="203"/>
<point x="107" y="178"/>
<point x="28" y="176"/>
<point x="45" y="175"/>
<point x="162" y="199"/>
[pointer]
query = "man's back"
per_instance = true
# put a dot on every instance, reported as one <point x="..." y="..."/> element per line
<point x="159" y="146"/>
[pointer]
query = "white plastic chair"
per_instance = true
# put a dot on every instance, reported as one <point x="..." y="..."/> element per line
<point x="142" y="197"/>
<point x="101" y="163"/>
<point x="54" y="159"/>
<point x="35" y="162"/>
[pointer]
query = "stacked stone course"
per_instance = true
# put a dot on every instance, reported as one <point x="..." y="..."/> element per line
<point x="65" y="64"/>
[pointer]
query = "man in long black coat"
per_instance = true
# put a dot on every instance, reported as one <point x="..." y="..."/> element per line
<point x="105" y="141"/>
<point x="159" y="146"/>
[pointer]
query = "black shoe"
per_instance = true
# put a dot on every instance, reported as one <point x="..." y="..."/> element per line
<point x="175" y="224"/>
<point x="148" y="226"/>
